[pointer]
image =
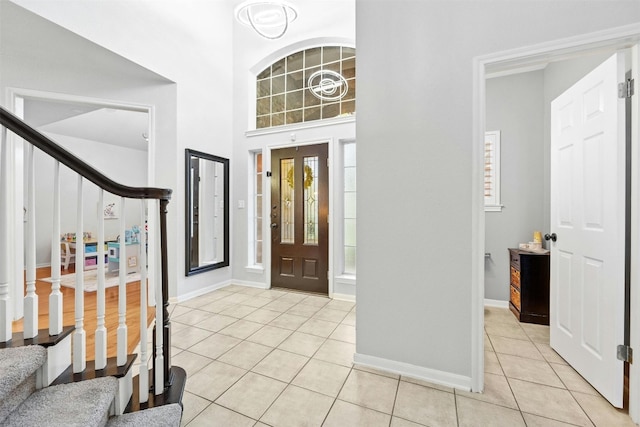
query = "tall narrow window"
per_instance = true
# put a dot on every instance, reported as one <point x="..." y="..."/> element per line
<point x="349" y="163"/>
<point x="311" y="200"/>
<point x="492" y="172"/>
<point x="257" y="226"/>
<point x="287" y="200"/>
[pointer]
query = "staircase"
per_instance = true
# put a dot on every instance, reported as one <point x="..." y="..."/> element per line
<point x="85" y="403"/>
<point x="46" y="377"/>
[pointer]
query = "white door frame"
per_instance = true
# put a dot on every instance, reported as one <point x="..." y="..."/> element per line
<point x="266" y="212"/>
<point x="16" y="98"/>
<point x="523" y="59"/>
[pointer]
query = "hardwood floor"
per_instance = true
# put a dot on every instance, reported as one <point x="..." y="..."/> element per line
<point x="43" y="289"/>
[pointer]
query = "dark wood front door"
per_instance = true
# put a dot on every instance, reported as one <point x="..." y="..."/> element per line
<point x="299" y="227"/>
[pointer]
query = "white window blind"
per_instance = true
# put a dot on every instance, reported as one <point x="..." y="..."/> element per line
<point x="492" y="171"/>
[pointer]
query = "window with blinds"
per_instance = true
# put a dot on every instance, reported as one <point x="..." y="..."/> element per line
<point x="492" y="171"/>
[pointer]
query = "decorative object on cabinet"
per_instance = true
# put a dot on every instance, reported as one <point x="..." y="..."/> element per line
<point x="529" y="286"/>
<point x="132" y="253"/>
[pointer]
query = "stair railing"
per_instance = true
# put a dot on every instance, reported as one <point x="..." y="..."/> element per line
<point x="161" y="350"/>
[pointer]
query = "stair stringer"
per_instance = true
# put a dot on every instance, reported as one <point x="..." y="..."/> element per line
<point x="58" y="359"/>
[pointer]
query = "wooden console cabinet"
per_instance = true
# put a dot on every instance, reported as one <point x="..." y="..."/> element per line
<point x="529" y="286"/>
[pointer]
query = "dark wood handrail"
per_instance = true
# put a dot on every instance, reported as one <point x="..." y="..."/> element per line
<point x="37" y="139"/>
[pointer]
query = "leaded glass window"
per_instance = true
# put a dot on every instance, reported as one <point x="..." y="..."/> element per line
<point x="313" y="84"/>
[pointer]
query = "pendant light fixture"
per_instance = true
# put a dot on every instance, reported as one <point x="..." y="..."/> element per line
<point x="270" y="19"/>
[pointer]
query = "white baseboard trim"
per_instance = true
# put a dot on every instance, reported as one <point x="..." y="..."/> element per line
<point x="344" y="297"/>
<point x="426" y="374"/>
<point x="496" y="303"/>
<point x="250" y="284"/>
<point x="202" y="291"/>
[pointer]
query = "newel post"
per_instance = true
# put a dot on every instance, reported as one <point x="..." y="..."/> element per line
<point x="166" y="323"/>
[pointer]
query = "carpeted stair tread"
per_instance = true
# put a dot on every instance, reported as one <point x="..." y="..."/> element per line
<point x="160" y="416"/>
<point x="18" y="368"/>
<point x="80" y="404"/>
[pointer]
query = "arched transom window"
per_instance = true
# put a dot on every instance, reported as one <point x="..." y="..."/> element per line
<point x="312" y="84"/>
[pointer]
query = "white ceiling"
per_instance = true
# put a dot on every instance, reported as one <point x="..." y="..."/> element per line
<point x="90" y="122"/>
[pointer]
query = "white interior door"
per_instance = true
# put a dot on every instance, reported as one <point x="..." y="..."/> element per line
<point x="587" y="215"/>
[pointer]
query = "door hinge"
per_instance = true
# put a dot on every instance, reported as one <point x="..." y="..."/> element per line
<point x="625" y="353"/>
<point x="626" y="89"/>
<point x="268" y="174"/>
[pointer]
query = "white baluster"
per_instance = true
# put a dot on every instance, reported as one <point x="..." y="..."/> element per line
<point x="122" y="292"/>
<point x="101" y="330"/>
<point x="159" y="365"/>
<point x="55" y="298"/>
<point x="79" y="335"/>
<point x="5" y="300"/>
<point x="144" y="367"/>
<point x="31" y="299"/>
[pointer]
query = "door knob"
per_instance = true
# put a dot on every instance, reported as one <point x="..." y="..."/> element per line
<point x="274" y="225"/>
<point x="553" y="237"/>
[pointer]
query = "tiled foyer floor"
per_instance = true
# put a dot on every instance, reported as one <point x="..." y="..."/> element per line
<point x="256" y="358"/>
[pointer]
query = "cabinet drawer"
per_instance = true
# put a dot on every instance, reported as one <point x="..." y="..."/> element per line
<point x="514" y="259"/>
<point x="515" y="297"/>
<point x="515" y="277"/>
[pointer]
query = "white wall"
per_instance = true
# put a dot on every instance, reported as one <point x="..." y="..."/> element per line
<point x="414" y="226"/>
<point x="186" y="41"/>
<point x="119" y="163"/>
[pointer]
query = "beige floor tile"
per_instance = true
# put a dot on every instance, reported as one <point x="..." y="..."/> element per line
<point x="197" y="301"/>
<point x="241" y="329"/>
<point x="369" y="390"/>
<point x="350" y="319"/>
<point x="425" y="405"/>
<point x="499" y="315"/>
<point x="516" y="347"/>
<point x="238" y="311"/>
<point x="192" y="406"/>
<point x="288" y="321"/>
<point x="298" y="407"/>
<point x="550" y="354"/>
<point x="330" y="315"/>
<point x="252" y="395"/>
<point x="234" y="288"/>
<point x="322" y="377"/>
<point x="316" y="301"/>
<point x="376" y="371"/>
<point x="293" y="297"/>
<point x="400" y="422"/>
<point x="217" y="416"/>
<point x="188" y="337"/>
<point x="179" y="310"/>
<point x="340" y="305"/>
<point x="318" y="327"/>
<point x="301" y="343"/>
<point x="536" y="371"/>
<point x="473" y="413"/>
<point x="496" y="391"/>
<point x="304" y="310"/>
<point x="538" y="421"/>
<point x="256" y="302"/>
<point x="190" y="362"/>
<point x="262" y="316"/>
<point x="601" y="412"/>
<point x="215" y="345"/>
<point x="245" y="355"/>
<point x="536" y="333"/>
<point x="347" y="414"/>
<point x="491" y="364"/>
<point x="192" y="317"/>
<point x="338" y="352"/>
<point x="509" y="330"/>
<point x="217" y="306"/>
<point x="213" y="380"/>
<point x="487" y="343"/>
<point x="344" y="333"/>
<point x="550" y="402"/>
<point x="251" y="290"/>
<point x="216" y="322"/>
<point x="280" y="306"/>
<point x="425" y="383"/>
<point x="236" y="298"/>
<point x="281" y="365"/>
<point x="270" y="336"/>
<point x="572" y="380"/>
